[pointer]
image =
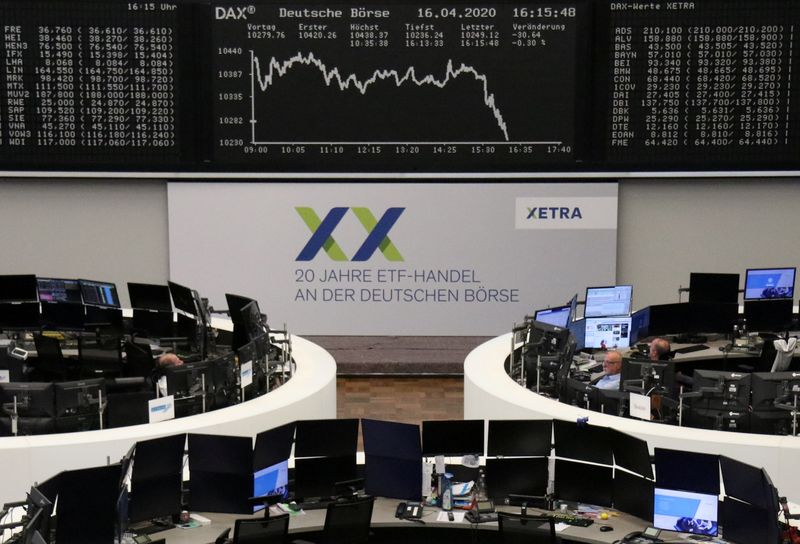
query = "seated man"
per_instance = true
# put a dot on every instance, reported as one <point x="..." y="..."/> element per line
<point x="612" y="367"/>
<point x="660" y="349"/>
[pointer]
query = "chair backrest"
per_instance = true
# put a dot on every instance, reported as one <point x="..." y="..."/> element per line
<point x="100" y="355"/>
<point x="139" y="360"/>
<point x="784" y="351"/>
<point x="349" y="521"/>
<point x="526" y="529"/>
<point x="272" y="530"/>
<point x="50" y="363"/>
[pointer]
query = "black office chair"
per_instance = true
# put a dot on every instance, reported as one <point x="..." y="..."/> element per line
<point x="272" y="530"/>
<point x="50" y="364"/>
<point x="347" y="521"/>
<point x="516" y="529"/>
<point x="100" y="356"/>
<point x="139" y="360"/>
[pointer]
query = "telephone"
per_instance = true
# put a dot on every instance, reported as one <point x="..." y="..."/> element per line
<point x="482" y="513"/>
<point x="409" y="510"/>
<point x="648" y="536"/>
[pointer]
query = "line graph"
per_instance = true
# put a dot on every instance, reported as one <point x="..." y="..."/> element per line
<point x="276" y="68"/>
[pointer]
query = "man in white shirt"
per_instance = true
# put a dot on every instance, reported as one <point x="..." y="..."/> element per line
<point x="612" y="367"/>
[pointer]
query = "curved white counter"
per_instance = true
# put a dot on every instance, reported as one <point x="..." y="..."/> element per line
<point x="310" y="394"/>
<point x="490" y="393"/>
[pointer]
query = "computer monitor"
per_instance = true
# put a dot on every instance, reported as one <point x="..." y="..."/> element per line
<point x="253" y="322"/>
<point x="86" y="510"/>
<point x="65" y="316"/>
<point x="516" y="437"/>
<point x="571" y="483"/>
<point x="221" y="473"/>
<point x="273" y="446"/>
<point x="226" y="390"/>
<point x="607" y="332"/>
<point x="182" y="298"/>
<point x="690" y="471"/>
<point x="647" y="375"/>
<point x="610" y="301"/>
<point x="706" y="287"/>
<point x="745" y="483"/>
<point x="710" y="317"/>
<point x="558" y="316"/>
<point x="584" y="442"/>
<point x="18" y="288"/>
<point x="631" y="453"/>
<point x="19" y="315"/>
<point x="316" y="477"/>
<point x="148" y="296"/>
<point x="326" y="437"/>
<point x="633" y="494"/>
<point x="721" y="390"/>
<point x="573" y="308"/>
<point x="748" y="524"/>
<point x="640" y="325"/>
<point x="153" y="323"/>
<point x="768" y="315"/>
<point x="271" y="480"/>
<point x="578" y="331"/>
<point x="156" y="478"/>
<point x="78" y="403"/>
<point x="393" y="459"/>
<point x="104" y="318"/>
<point x="59" y="290"/>
<point x="769" y="387"/>
<point x="767" y="283"/>
<point x="188" y="383"/>
<point x="516" y="476"/>
<point x="235" y="305"/>
<point x="685" y="511"/>
<point x="99" y="293"/>
<point x="33" y="399"/>
<point x="452" y="437"/>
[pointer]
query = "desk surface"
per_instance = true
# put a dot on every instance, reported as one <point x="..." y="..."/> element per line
<point x="383" y="517"/>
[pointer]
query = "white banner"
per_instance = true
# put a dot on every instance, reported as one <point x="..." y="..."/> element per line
<point x="393" y="258"/>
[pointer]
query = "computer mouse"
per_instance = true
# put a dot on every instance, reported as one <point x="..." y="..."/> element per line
<point x="606" y="528"/>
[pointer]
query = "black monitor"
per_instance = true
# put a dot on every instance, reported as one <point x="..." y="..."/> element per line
<point x="19" y="315"/>
<point x="190" y="382"/>
<point x="148" y="296"/>
<point x="226" y="388"/>
<point x="745" y="482"/>
<point x="273" y="446"/>
<point x="183" y="299"/>
<point x="558" y="316"/>
<point x="769" y="283"/>
<point x="18" y="288"/>
<point x="578" y="331"/>
<point x="102" y="318"/>
<point x="33" y="399"/>
<point x="27" y="425"/>
<point x="633" y="494"/>
<point x="253" y="322"/>
<point x="99" y="293"/>
<point x="721" y="390"/>
<point x="668" y="318"/>
<point x="608" y="301"/>
<point x="748" y="524"/>
<point x="646" y="375"/>
<point x="682" y="511"/>
<point x="640" y="325"/>
<point x="768" y="315"/>
<point x="609" y="401"/>
<point x="38" y="512"/>
<point x="707" y="287"/>
<point x="393" y="459"/>
<point x="452" y="437"/>
<point x="67" y="316"/>
<point x="86" y="507"/>
<point x="59" y="290"/>
<point x="516" y="476"/>
<point x="78" y="403"/>
<point x="582" y="442"/>
<point x="235" y="305"/>
<point x="631" y="453"/>
<point x="153" y="323"/>
<point x="546" y="350"/>
<point x="571" y="483"/>
<point x="317" y="477"/>
<point x="513" y="437"/>
<point x="575" y="392"/>
<point x="221" y="474"/>
<point x="711" y="317"/>
<point x="688" y="471"/>
<point x="156" y="478"/>
<point x="326" y="437"/>
<point x="771" y="387"/>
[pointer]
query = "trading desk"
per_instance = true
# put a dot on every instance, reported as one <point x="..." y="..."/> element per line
<point x="387" y="528"/>
<point x="490" y="393"/>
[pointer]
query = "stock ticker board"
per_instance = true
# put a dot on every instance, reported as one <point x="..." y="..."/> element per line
<point x="393" y="86"/>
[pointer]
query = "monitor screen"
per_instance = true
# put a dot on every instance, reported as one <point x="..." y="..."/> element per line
<point x="607" y="332"/>
<point x="273" y="446"/>
<point x="578" y="331"/>
<point x="79" y="397"/>
<point x="685" y="511"/>
<point x="98" y="293"/>
<point x="640" y="325"/>
<point x="33" y="399"/>
<point x="520" y="476"/>
<point x="182" y="298"/>
<point x="745" y="482"/>
<point x="631" y="453"/>
<point x="330" y="437"/>
<point x="18" y="288"/>
<point x="147" y="296"/>
<point x="633" y="494"/>
<point x="767" y="387"/>
<point x="554" y="316"/>
<point x="571" y="483"/>
<point x="235" y="305"/>
<point x="609" y="301"/>
<point x="63" y="315"/>
<point x="59" y="290"/>
<point x="273" y="480"/>
<point x="452" y="437"/>
<point x="251" y="319"/>
<point x="769" y="283"/>
<point x="589" y="443"/>
<point x="732" y="390"/>
<point x="520" y="437"/>
<point x="391" y="439"/>
<point x="317" y="477"/>
<point x="748" y="524"/>
<point x="691" y="471"/>
<point x="768" y="315"/>
<point x="704" y="287"/>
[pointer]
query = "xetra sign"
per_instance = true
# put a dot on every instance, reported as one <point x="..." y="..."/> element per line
<point x="238" y="13"/>
<point x="554" y="212"/>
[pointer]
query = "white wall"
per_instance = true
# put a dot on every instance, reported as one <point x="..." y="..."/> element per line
<point x="117" y="230"/>
<point x="95" y="229"/>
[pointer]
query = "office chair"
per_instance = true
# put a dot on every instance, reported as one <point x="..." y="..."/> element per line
<point x="784" y="351"/>
<point x="272" y="530"/>
<point x="139" y="360"/>
<point x="347" y="522"/>
<point x="50" y="362"/>
<point x="516" y="529"/>
<point x="100" y="356"/>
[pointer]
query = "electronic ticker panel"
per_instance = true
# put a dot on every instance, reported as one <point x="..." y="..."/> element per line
<point x="712" y="82"/>
<point x="91" y="83"/>
<point x="397" y="85"/>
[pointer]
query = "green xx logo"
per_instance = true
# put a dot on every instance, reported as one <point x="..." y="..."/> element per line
<point x="322" y="234"/>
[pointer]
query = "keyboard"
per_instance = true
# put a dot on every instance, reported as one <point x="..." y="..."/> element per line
<point x="690" y="349"/>
<point x="569" y="519"/>
<point x="474" y="517"/>
<point x="314" y="505"/>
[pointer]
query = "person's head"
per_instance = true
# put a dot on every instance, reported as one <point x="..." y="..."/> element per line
<point x="659" y="349"/>
<point x="169" y="359"/>
<point x="612" y="364"/>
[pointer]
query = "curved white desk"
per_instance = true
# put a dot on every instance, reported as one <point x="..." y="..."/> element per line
<point x="489" y="393"/>
<point x="310" y="394"/>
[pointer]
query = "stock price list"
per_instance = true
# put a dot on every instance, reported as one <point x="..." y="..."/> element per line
<point x="88" y="83"/>
<point x="440" y="87"/>
<point x="709" y="83"/>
